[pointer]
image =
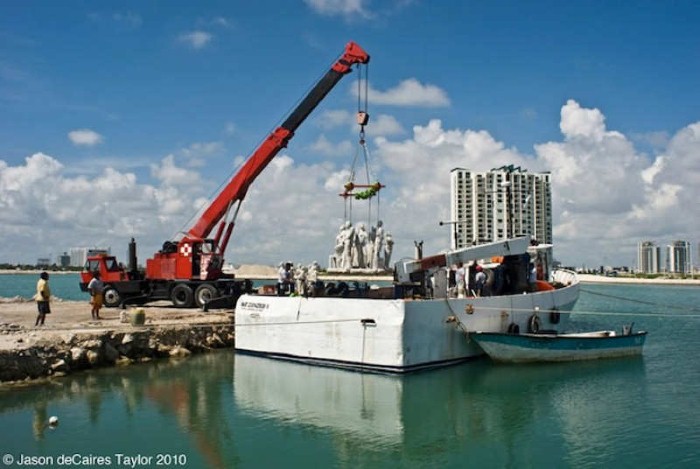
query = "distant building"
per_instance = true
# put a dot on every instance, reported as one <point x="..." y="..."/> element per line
<point x="498" y="204"/>
<point x="679" y="257"/>
<point x="63" y="260"/>
<point x="648" y="257"/>
<point x="43" y="262"/>
<point x="78" y="256"/>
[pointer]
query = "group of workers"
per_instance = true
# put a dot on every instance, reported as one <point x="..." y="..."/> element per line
<point x="462" y="281"/>
<point x="475" y="282"/>
<point x="43" y="297"/>
<point x="301" y="280"/>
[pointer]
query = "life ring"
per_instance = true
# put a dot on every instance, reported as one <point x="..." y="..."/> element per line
<point x="554" y="316"/>
<point x="513" y="328"/>
<point x="534" y="324"/>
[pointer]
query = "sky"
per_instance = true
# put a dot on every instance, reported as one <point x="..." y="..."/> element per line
<point x="123" y="119"/>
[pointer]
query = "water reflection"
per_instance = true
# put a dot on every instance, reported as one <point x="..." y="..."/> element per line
<point x="191" y="391"/>
<point x="221" y="408"/>
<point x="477" y="410"/>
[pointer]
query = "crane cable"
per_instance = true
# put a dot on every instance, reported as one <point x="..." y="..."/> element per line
<point x="362" y="119"/>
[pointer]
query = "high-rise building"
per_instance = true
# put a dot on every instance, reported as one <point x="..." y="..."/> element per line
<point x="78" y="256"/>
<point x="498" y="204"/>
<point x="679" y="257"/>
<point x="648" y="257"/>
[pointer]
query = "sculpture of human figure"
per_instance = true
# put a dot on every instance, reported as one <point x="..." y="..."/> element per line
<point x="348" y="242"/>
<point x="378" y="247"/>
<point x="338" y="250"/>
<point x="389" y="241"/>
<point x="312" y="277"/>
<point x="361" y="240"/>
<point x="300" y="279"/>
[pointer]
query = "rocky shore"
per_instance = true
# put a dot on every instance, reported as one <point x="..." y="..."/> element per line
<point x="70" y="341"/>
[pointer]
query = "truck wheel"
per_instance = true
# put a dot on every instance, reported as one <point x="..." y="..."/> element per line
<point x="181" y="296"/>
<point x="204" y="293"/>
<point x="111" y="297"/>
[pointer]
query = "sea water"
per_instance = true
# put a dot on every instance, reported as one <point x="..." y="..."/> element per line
<point x="229" y="410"/>
<point x="63" y="285"/>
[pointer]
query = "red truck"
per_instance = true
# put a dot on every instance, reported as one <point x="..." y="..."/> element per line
<point x="187" y="271"/>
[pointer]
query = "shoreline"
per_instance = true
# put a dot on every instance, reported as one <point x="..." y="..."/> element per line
<point x="600" y="279"/>
<point x="71" y="341"/>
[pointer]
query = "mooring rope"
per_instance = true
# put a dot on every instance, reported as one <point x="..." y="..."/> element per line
<point x="650" y="303"/>
<point x="543" y="310"/>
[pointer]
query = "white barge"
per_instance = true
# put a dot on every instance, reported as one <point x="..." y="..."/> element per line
<point x="414" y="324"/>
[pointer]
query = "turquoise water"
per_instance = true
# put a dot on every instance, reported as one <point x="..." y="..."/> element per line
<point x="64" y="286"/>
<point x="229" y="410"/>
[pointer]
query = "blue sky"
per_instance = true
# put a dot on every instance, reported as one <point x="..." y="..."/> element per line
<point x="120" y="119"/>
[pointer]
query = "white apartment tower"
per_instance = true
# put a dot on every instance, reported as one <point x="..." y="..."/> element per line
<point x="648" y="257"/>
<point x="494" y="205"/>
<point x="78" y="256"/>
<point x="679" y="257"/>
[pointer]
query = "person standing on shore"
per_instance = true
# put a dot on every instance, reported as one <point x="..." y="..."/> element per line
<point x="42" y="297"/>
<point x="96" y="287"/>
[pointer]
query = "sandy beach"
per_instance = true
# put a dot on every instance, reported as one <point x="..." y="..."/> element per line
<point x="587" y="278"/>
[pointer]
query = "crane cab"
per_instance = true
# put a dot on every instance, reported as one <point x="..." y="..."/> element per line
<point x="187" y="259"/>
<point x="110" y="270"/>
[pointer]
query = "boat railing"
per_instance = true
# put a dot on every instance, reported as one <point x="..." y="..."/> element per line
<point x="564" y="276"/>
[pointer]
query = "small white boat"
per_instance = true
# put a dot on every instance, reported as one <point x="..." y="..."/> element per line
<point x="521" y="348"/>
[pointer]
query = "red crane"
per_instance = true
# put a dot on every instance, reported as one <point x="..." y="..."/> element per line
<point x="188" y="271"/>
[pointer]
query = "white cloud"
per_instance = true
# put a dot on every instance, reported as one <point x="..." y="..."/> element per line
<point x="219" y="21"/>
<point x="336" y="118"/>
<point x="196" y="39"/>
<point x="579" y="122"/>
<point x="606" y="196"/>
<point x="410" y="92"/>
<point x="325" y="147"/>
<point x="129" y="18"/>
<point x="44" y="211"/>
<point x="172" y="175"/>
<point x="384" y="125"/>
<point x="85" y="137"/>
<point x="198" y="152"/>
<point x="346" y="8"/>
<point x="230" y="128"/>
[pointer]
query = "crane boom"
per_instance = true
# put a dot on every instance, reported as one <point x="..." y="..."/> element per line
<point x="189" y="271"/>
<point x="237" y="188"/>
